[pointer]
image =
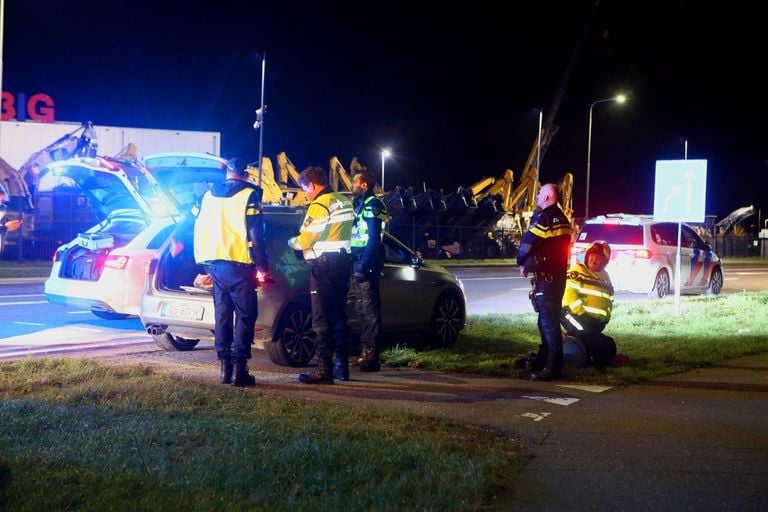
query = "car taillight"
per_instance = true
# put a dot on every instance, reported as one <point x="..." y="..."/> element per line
<point x="56" y="255"/>
<point x="263" y="277"/>
<point x="150" y="267"/>
<point x="640" y="253"/>
<point x="116" y="262"/>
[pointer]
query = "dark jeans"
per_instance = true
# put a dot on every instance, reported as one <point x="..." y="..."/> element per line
<point x="549" y="296"/>
<point x="328" y="287"/>
<point x="368" y="308"/>
<point x="234" y="292"/>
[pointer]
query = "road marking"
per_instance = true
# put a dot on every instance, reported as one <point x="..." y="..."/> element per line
<point x="586" y="387"/>
<point x="536" y="416"/>
<point x="749" y="273"/>
<point x="557" y="401"/>
<point x="78" y="312"/>
<point x="23" y="303"/>
<point x="521" y="289"/>
<point x="27" y="323"/>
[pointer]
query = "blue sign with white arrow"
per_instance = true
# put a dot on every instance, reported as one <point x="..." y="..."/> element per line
<point x="680" y="193"/>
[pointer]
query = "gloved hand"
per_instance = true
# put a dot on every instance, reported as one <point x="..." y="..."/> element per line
<point x="13" y="225"/>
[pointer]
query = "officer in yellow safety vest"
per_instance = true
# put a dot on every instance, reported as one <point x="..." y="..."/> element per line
<point x="325" y="240"/>
<point x="229" y="239"/>
<point x="588" y="302"/>
<point x="368" y="256"/>
<point x="588" y="297"/>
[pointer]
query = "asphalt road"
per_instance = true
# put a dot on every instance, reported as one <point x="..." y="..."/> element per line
<point x="31" y="325"/>
<point x="690" y="442"/>
<point x="503" y="290"/>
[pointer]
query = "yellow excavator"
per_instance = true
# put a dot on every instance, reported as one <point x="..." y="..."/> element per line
<point x="278" y="192"/>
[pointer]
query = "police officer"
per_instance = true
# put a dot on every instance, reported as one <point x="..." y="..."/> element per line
<point x="588" y="297"/>
<point x="588" y="302"/>
<point x="544" y="253"/>
<point x="229" y="239"/>
<point x="325" y="239"/>
<point x="368" y="257"/>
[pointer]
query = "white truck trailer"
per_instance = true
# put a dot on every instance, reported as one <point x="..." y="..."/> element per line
<point x="20" y="139"/>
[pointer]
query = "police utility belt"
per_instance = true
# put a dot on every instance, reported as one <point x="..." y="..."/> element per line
<point x="329" y="257"/>
<point x="543" y="277"/>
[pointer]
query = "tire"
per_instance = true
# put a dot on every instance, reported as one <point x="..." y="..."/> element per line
<point x="661" y="285"/>
<point x="171" y="343"/>
<point x="294" y="342"/>
<point x="109" y="315"/>
<point x="715" y="282"/>
<point x="447" y="320"/>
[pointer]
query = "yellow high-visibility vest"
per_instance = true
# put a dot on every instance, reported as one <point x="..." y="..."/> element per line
<point x="588" y="293"/>
<point x="327" y="226"/>
<point x="221" y="232"/>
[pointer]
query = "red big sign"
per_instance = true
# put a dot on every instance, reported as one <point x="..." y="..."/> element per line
<point x="39" y="107"/>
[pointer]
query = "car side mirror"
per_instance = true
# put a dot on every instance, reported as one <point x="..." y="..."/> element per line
<point x="416" y="261"/>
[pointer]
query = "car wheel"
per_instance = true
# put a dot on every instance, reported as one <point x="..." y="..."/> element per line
<point x="660" y="285"/>
<point x="170" y="343"/>
<point x="446" y="320"/>
<point x="109" y="315"/>
<point x="715" y="282"/>
<point x="294" y="343"/>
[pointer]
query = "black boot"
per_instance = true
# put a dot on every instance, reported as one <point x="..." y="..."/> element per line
<point x="226" y="371"/>
<point x="341" y="366"/>
<point x="369" y="360"/>
<point x="322" y="374"/>
<point x="341" y="370"/>
<point x="241" y="377"/>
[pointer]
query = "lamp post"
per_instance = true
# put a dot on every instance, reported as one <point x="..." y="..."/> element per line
<point x="618" y="99"/>
<point x="259" y="123"/>
<point x="385" y="153"/>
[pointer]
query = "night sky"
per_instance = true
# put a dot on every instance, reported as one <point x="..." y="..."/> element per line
<point x="453" y="92"/>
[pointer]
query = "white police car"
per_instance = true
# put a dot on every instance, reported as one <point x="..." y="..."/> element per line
<point x="643" y="254"/>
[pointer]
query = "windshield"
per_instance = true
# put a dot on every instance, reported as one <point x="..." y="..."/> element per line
<point x="614" y="234"/>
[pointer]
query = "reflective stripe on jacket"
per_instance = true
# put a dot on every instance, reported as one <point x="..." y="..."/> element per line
<point x="544" y="247"/>
<point x="220" y="229"/>
<point x="372" y="208"/>
<point x="588" y="293"/>
<point x="327" y="226"/>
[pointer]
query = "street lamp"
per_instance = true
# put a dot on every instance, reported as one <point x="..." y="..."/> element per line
<point x="618" y="99"/>
<point x="385" y="153"/>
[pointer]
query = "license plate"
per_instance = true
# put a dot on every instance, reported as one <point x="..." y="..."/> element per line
<point x="183" y="311"/>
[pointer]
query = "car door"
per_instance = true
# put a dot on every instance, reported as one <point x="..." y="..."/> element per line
<point x="407" y="297"/>
<point x="698" y="256"/>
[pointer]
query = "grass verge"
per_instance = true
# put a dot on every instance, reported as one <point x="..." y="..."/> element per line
<point x="75" y="435"/>
<point x="657" y="340"/>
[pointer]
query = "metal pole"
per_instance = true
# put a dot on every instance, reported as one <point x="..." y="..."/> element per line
<point x="261" y="125"/>
<point x="620" y="98"/>
<point x="383" y="157"/>
<point x="538" y="145"/>
<point x="589" y="157"/>
<point x="685" y="153"/>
